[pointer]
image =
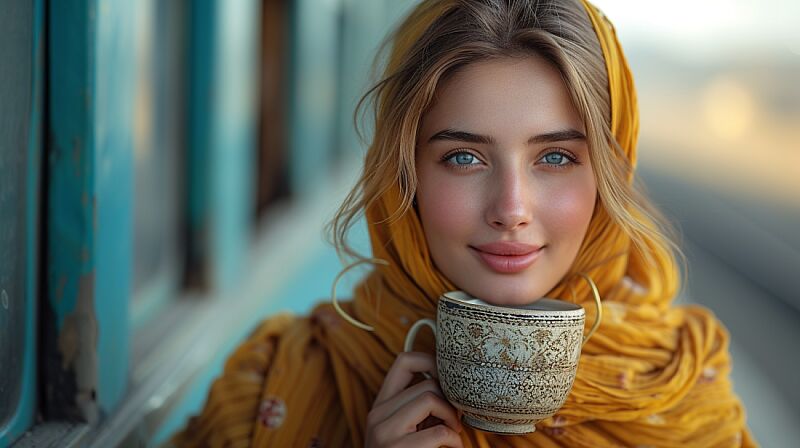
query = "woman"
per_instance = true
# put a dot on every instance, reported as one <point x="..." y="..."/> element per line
<point x="502" y="164"/>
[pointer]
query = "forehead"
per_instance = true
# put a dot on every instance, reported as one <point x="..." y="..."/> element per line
<point x="503" y="97"/>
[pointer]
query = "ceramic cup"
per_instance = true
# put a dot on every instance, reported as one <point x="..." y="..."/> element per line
<point x="506" y="368"/>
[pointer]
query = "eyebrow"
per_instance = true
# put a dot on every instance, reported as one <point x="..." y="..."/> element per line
<point x="469" y="137"/>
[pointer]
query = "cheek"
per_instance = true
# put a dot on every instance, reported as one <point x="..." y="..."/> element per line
<point x="448" y="208"/>
<point x="567" y="212"/>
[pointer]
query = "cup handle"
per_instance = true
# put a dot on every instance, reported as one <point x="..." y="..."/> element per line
<point x="412" y="335"/>
<point x="596" y="296"/>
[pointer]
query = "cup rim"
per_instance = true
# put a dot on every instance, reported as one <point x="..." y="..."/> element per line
<point x="546" y="306"/>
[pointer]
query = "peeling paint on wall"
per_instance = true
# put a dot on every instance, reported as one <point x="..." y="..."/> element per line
<point x="77" y="344"/>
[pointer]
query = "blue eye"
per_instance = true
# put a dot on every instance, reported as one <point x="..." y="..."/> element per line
<point x="556" y="158"/>
<point x="462" y="159"/>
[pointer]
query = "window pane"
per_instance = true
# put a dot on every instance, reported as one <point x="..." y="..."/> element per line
<point x="16" y="23"/>
<point x="158" y="130"/>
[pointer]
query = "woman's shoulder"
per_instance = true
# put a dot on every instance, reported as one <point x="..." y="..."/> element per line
<point x="286" y="331"/>
<point x="278" y="329"/>
<point x="263" y="365"/>
<point x="257" y="349"/>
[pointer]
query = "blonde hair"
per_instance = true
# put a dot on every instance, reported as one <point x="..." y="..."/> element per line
<point x="442" y="36"/>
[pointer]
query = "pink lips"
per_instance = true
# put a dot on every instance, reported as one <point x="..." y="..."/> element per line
<point x="508" y="257"/>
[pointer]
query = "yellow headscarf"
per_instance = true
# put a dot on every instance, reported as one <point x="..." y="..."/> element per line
<point x="652" y="375"/>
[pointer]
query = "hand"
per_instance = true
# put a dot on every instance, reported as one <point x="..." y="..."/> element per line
<point x="399" y="410"/>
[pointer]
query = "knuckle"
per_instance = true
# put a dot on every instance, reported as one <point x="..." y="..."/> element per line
<point x="379" y="433"/>
<point x="404" y="358"/>
<point x="440" y="432"/>
<point x="378" y="429"/>
<point x="429" y="398"/>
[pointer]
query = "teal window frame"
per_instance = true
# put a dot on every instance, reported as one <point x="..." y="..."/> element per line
<point x="88" y="208"/>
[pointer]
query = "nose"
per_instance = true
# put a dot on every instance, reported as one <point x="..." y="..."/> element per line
<point x="511" y="201"/>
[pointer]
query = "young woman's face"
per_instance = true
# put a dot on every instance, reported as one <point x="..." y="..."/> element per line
<point x="506" y="189"/>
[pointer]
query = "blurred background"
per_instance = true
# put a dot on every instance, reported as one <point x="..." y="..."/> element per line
<point x="166" y="169"/>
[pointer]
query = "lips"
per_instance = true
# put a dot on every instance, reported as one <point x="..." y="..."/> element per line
<point x="507" y="257"/>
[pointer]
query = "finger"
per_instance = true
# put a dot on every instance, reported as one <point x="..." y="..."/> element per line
<point x="389" y="406"/>
<point x="402" y="371"/>
<point x="439" y="435"/>
<point x="428" y="403"/>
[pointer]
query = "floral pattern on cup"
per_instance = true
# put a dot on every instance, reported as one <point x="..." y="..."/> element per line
<point x="507" y="369"/>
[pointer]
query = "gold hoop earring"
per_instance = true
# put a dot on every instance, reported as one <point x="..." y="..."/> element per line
<point x="597" y="302"/>
<point x="339" y="309"/>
